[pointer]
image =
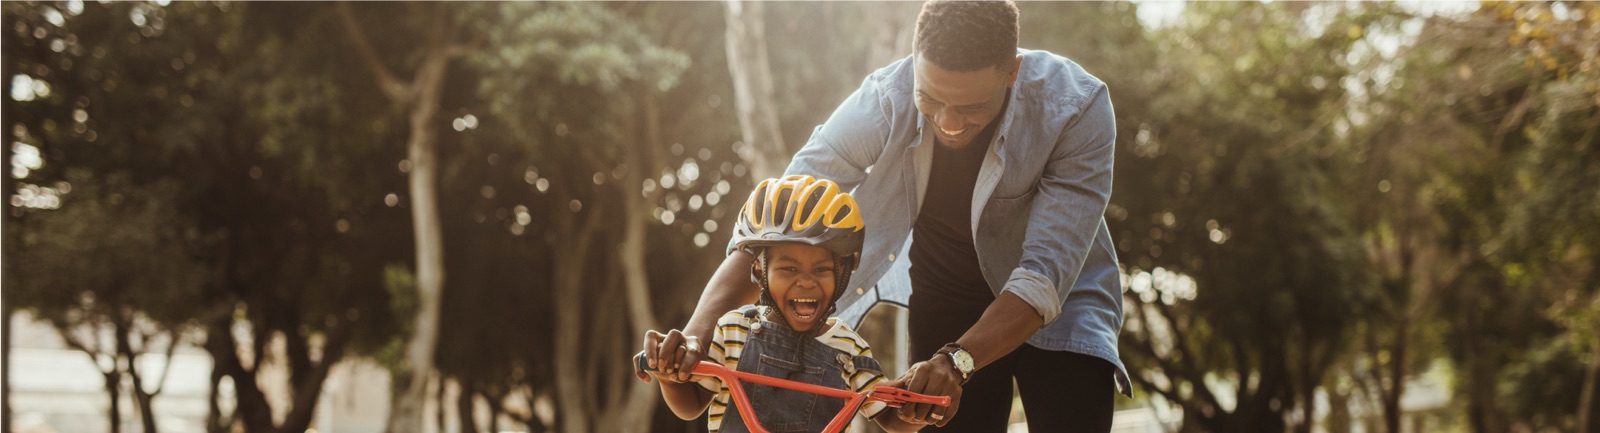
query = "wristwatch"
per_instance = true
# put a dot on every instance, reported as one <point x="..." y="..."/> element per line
<point x="961" y="359"/>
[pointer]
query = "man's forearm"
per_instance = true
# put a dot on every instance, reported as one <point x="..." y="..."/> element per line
<point x="729" y="288"/>
<point x="1004" y="326"/>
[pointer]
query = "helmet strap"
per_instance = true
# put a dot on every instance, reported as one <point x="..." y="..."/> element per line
<point x="759" y="275"/>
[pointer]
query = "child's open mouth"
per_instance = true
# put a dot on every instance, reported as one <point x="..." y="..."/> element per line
<point x="804" y="308"/>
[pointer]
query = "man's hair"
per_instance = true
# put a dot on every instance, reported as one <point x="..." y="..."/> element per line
<point x="964" y="36"/>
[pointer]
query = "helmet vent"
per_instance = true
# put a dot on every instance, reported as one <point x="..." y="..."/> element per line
<point x="838" y="217"/>
<point x="812" y="203"/>
<point x="780" y="216"/>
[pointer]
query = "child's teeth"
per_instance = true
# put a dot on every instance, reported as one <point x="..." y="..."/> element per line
<point x="801" y="304"/>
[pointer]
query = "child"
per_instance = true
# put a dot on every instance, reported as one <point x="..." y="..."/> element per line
<point x="806" y="235"/>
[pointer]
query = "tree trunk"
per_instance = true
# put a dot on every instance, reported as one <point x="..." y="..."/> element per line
<point x="494" y="410"/>
<point x="1308" y="389"/>
<point x="147" y="414"/>
<point x="1339" y="419"/>
<point x="637" y="407"/>
<point x="250" y="404"/>
<point x="439" y="404"/>
<point x="308" y="389"/>
<point x="6" y="311"/>
<point x="141" y="398"/>
<point x="1397" y="376"/>
<point x="114" y="415"/>
<point x="572" y="407"/>
<point x="8" y="187"/>
<point x="215" y="423"/>
<point x="1479" y="386"/>
<point x="753" y="90"/>
<point x="465" y="408"/>
<point x="572" y="417"/>
<point x="1257" y="412"/>
<point x="92" y="348"/>
<point x="420" y="149"/>
<point x="1588" y="407"/>
<point x="422" y="97"/>
<point x="494" y="397"/>
<point x="636" y="211"/>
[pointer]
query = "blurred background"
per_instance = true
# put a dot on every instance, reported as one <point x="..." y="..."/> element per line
<point x="453" y="217"/>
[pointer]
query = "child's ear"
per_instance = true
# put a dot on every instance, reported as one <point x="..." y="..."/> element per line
<point x="755" y="271"/>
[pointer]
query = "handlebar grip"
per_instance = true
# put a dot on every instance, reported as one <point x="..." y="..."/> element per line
<point x="641" y="363"/>
<point x="896" y="397"/>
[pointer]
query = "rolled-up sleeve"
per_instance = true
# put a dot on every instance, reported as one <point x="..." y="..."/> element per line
<point x="1071" y="202"/>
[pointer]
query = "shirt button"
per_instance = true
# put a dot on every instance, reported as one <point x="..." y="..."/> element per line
<point x="891" y="257"/>
<point x="861" y="291"/>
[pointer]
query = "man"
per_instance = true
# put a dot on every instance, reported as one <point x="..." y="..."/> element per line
<point x="999" y="161"/>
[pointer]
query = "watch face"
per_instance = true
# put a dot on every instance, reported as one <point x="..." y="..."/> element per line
<point x="963" y="361"/>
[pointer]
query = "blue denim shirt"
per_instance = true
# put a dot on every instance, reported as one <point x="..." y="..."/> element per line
<point x="1037" y="210"/>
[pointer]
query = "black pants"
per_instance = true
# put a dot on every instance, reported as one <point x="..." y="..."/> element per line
<point x="1061" y="391"/>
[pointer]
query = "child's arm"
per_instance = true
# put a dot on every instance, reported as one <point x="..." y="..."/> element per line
<point x="686" y="399"/>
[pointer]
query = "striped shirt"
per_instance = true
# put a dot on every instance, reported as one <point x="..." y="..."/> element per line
<point x="727" y="343"/>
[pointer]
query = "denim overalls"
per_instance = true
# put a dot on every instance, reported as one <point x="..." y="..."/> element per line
<point x="775" y="350"/>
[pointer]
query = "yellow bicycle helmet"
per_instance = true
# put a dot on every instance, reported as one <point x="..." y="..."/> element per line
<point x="801" y="209"/>
<point x="807" y="210"/>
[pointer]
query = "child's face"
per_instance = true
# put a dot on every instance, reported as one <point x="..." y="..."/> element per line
<point x="801" y="280"/>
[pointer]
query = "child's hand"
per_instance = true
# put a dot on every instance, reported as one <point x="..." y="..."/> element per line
<point x="673" y="355"/>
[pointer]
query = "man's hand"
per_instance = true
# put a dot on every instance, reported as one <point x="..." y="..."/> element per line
<point x="936" y="377"/>
<point x="673" y="355"/>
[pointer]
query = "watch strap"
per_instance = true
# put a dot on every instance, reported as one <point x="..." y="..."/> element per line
<point x="950" y="350"/>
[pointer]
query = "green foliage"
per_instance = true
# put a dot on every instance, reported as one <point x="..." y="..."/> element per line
<point x="1542" y="388"/>
<point x="1228" y="177"/>
<point x="1498" y="153"/>
<point x="584" y="45"/>
<point x="1300" y="187"/>
<point x="114" y="248"/>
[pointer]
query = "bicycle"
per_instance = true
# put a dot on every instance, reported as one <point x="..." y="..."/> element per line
<point x="893" y="397"/>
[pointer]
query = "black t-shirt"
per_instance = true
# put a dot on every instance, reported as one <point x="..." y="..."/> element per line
<point x="944" y="262"/>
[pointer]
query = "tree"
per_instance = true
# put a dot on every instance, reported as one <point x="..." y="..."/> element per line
<point x="198" y="86"/>
<point x="441" y="45"/>
<point x="1410" y="158"/>
<point x="102" y="270"/>
<point x="1547" y="220"/>
<point x="605" y="75"/>
<point x="1244" y="280"/>
<point x="753" y="89"/>
<point x="1495" y="116"/>
<point x="12" y="16"/>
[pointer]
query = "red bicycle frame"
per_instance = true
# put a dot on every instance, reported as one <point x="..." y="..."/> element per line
<point x="893" y="397"/>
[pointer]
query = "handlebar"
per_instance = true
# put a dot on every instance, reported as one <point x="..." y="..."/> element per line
<point x="894" y="397"/>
